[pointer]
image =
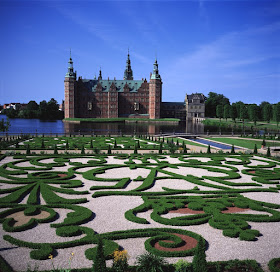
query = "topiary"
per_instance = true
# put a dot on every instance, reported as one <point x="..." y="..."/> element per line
<point x="208" y="149"/>
<point x="27" y="149"/>
<point x="55" y="150"/>
<point x="232" y="149"/>
<point x="83" y="150"/>
<point x="160" y="149"/>
<point x="268" y="154"/>
<point x="199" y="259"/>
<point x="109" y="149"/>
<point x="135" y="149"/>
<point x="255" y="149"/>
<point x="99" y="262"/>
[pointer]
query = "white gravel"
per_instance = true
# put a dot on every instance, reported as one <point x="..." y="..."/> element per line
<point x="110" y="217"/>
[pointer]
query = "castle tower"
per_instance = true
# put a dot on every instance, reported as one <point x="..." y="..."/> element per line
<point x="155" y="93"/>
<point x="100" y="75"/>
<point x="69" y="90"/>
<point x="128" y="74"/>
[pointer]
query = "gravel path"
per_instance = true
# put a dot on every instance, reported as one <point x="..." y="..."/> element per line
<point x="110" y="217"/>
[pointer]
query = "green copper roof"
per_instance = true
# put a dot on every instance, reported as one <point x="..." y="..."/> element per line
<point x="133" y="85"/>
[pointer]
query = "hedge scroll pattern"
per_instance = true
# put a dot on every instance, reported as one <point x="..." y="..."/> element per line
<point x="35" y="184"/>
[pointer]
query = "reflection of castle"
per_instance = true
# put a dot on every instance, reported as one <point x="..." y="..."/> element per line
<point x="105" y="98"/>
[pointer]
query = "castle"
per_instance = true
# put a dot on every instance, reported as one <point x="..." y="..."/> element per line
<point x="129" y="98"/>
<point x="105" y="98"/>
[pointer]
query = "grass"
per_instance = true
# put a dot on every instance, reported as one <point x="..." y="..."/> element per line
<point x="259" y="125"/>
<point x="185" y="141"/>
<point x="247" y="143"/>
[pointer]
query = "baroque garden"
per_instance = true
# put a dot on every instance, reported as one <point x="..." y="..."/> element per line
<point x="138" y="194"/>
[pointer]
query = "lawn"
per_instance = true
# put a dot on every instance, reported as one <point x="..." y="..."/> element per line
<point x="60" y="204"/>
<point x="246" y="143"/>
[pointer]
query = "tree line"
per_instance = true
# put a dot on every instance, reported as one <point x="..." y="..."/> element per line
<point x="217" y="105"/>
<point x="44" y="110"/>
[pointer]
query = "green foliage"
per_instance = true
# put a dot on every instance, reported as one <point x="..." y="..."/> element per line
<point x="4" y="125"/>
<point x="99" y="262"/>
<point x="208" y="149"/>
<point x="83" y="150"/>
<point x="255" y="149"/>
<point x="181" y="266"/>
<point x="232" y="149"/>
<point x="55" y="152"/>
<point x="150" y="262"/>
<point x="268" y="154"/>
<point x="274" y="265"/>
<point x="199" y="260"/>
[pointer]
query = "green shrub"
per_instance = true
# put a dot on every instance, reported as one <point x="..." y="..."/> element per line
<point x="99" y="262"/>
<point x="150" y="262"/>
<point x="208" y="150"/>
<point x="268" y="154"/>
<point x="255" y="149"/>
<point x="28" y="149"/>
<point x="55" y="152"/>
<point x="199" y="260"/>
<point x="181" y="266"/>
<point x="274" y="265"/>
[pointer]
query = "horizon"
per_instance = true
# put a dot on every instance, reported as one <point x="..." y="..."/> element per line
<point x="227" y="47"/>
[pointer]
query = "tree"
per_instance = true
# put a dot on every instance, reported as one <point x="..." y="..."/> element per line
<point x="99" y="262"/>
<point x="268" y="154"/>
<point x="233" y="112"/>
<point x="43" y="110"/>
<point x="219" y="111"/>
<point x="109" y="150"/>
<point x="208" y="149"/>
<point x="253" y="113"/>
<point x="212" y="101"/>
<point x="160" y="149"/>
<point x="135" y="149"/>
<point x="262" y="105"/>
<point x="53" y="109"/>
<point x="243" y="112"/>
<point x="255" y="149"/>
<point x="28" y="149"/>
<point x="232" y="149"/>
<point x="4" y="125"/>
<point x="55" y="150"/>
<point x="276" y="113"/>
<point x="199" y="259"/>
<point x="226" y="111"/>
<point x="267" y="111"/>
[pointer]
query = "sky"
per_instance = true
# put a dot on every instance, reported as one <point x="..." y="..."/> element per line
<point x="228" y="47"/>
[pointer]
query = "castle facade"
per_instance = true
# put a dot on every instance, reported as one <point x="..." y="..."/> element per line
<point x="107" y="98"/>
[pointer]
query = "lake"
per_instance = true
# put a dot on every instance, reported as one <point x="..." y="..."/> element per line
<point x="33" y="126"/>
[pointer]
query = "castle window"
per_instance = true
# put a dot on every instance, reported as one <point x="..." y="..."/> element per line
<point x="136" y="106"/>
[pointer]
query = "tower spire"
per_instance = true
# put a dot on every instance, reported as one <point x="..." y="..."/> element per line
<point x="100" y="75"/>
<point x="70" y="72"/>
<point x="155" y="74"/>
<point x="128" y="74"/>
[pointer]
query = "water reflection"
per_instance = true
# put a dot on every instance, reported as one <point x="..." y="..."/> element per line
<point x="33" y="126"/>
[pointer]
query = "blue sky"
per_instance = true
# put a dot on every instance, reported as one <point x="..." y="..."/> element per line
<point x="228" y="47"/>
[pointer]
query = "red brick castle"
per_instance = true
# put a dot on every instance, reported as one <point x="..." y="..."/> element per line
<point x="105" y="98"/>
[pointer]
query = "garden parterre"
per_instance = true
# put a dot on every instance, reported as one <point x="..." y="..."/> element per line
<point x="58" y="204"/>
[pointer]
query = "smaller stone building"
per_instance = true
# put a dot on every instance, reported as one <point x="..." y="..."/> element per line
<point x="195" y="106"/>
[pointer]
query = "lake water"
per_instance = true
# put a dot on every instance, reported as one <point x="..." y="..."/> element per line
<point x="33" y="126"/>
